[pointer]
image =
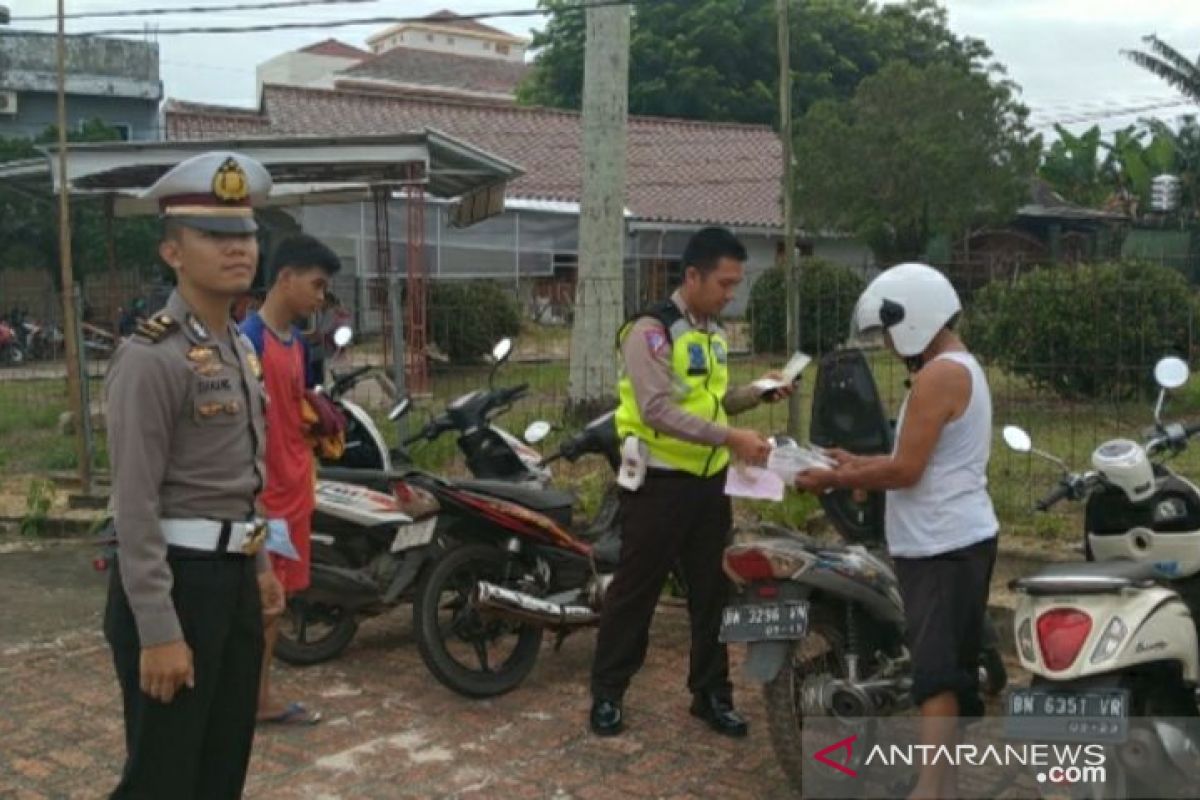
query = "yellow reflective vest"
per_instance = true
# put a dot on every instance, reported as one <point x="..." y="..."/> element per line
<point x="699" y="359"/>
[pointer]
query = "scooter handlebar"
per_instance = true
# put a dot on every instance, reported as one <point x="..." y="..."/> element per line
<point x="1060" y="492"/>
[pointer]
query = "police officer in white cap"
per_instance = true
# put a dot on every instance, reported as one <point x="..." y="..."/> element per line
<point x="191" y="585"/>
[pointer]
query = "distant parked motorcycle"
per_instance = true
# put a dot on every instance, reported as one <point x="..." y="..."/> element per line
<point x="11" y="351"/>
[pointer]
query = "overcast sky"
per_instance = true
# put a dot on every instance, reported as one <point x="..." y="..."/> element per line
<point x="1063" y="53"/>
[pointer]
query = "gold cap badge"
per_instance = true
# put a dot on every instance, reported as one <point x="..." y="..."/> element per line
<point x="230" y="184"/>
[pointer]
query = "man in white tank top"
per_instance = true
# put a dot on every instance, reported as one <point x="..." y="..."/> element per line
<point x="941" y="528"/>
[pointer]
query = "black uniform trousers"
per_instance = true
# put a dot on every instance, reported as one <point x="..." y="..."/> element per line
<point x="198" y="745"/>
<point x="673" y="517"/>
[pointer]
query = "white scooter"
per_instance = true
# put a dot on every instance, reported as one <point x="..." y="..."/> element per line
<point x="1112" y="642"/>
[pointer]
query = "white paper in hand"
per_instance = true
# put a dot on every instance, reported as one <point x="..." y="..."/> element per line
<point x="753" y="483"/>
<point x="789" y="374"/>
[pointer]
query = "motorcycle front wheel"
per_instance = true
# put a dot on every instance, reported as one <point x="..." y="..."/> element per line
<point x="311" y="633"/>
<point x="473" y="655"/>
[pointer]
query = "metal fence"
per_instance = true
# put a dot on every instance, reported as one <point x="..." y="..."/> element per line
<point x="1070" y="360"/>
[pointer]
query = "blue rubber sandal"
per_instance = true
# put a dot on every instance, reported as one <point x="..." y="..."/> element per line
<point x="294" y="714"/>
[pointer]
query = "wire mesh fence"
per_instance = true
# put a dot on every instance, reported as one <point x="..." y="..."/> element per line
<point x="1069" y="352"/>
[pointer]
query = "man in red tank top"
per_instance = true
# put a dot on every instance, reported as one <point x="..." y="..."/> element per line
<point x="300" y="274"/>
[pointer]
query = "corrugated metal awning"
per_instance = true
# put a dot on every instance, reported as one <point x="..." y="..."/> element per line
<point x="306" y="170"/>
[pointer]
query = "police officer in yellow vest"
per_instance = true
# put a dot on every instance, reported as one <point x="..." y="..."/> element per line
<point x="675" y="398"/>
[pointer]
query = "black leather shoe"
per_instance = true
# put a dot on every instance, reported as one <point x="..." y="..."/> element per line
<point x="607" y="718"/>
<point x="719" y="715"/>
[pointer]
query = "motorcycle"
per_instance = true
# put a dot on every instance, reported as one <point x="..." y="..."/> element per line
<point x="1112" y="642"/>
<point x="11" y="351"/>
<point x="43" y="342"/>
<point x="824" y="622"/>
<point x="510" y="565"/>
<point x="491" y="452"/>
<point x="374" y="521"/>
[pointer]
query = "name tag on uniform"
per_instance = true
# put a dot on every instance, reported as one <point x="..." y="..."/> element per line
<point x="719" y="352"/>
<point x="697" y="362"/>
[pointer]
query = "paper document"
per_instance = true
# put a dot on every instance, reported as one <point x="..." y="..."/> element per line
<point x="788" y="462"/>
<point x="753" y="483"/>
<point x="790" y="374"/>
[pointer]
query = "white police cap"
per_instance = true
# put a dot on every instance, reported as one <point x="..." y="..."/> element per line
<point x="214" y="192"/>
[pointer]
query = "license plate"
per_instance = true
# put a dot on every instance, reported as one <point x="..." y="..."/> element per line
<point x="415" y="535"/>
<point x="1083" y="715"/>
<point x="758" y="622"/>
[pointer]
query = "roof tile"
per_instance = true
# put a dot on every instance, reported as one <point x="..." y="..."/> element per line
<point x="679" y="171"/>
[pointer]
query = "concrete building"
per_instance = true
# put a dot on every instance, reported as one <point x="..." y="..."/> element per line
<point x="447" y="32"/>
<point x="317" y="65"/>
<point x="114" y="80"/>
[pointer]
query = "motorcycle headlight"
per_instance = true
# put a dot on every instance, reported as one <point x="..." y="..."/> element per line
<point x="1110" y="641"/>
<point x="1025" y="640"/>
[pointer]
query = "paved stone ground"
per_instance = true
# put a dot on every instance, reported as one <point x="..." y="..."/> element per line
<point x="390" y="729"/>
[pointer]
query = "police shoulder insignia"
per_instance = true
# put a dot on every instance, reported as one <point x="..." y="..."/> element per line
<point x="656" y="340"/>
<point x="230" y="184"/>
<point x="197" y="328"/>
<point x="156" y="328"/>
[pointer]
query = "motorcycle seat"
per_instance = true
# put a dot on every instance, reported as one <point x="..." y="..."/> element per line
<point x="1087" y="577"/>
<point x="553" y="503"/>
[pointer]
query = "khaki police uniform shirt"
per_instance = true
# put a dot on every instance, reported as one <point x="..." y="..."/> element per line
<point x="186" y="436"/>
<point x="656" y="387"/>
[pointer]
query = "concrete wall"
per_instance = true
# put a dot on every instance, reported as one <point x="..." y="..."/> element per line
<point x="38" y="110"/>
<point x="301" y="69"/>
<point x="114" y="80"/>
<point x="447" y="40"/>
<point x="848" y="252"/>
<point x="95" y="66"/>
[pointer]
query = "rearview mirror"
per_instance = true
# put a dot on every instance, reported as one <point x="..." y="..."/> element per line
<point x="1171" y="372"/>
<point x="343" y="336"/>
<point x="502" y="350"/>
<point x="400" y="409"/>
<point x="537" y="431"/>
<point x="1017" y="439"/>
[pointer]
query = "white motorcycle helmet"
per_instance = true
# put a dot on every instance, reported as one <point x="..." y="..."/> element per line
<point x="912" y="302"/>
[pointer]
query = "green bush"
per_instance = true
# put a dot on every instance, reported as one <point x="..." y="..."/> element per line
<point x="467" y="317"/>
<point x="828" y="293"/>
<point x="1084" y="331"/>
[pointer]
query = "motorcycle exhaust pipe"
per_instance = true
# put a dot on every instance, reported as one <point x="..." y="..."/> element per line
<point x="494" y="601"/>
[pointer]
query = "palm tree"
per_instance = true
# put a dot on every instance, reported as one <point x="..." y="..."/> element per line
<point x="1169" y="64"/>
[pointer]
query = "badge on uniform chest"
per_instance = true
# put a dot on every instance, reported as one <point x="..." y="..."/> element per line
<point x="697" y="362"/>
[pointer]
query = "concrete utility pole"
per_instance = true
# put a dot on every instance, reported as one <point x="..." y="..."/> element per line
<point x="75" y="376"/>
<point x="792" y="300"/>
<point x="600" y="292"/>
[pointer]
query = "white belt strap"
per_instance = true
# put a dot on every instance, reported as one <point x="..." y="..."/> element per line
<point x="205" y="534"/>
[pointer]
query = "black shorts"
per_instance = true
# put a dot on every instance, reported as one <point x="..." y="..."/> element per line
<point x="945" y="603"/>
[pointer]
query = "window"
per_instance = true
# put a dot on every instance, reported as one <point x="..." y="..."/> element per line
<point x="429" y="37"/>
<point x="487" y="45"/>
<point x="449" y="40"/>
<point x="502" y="49"/>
